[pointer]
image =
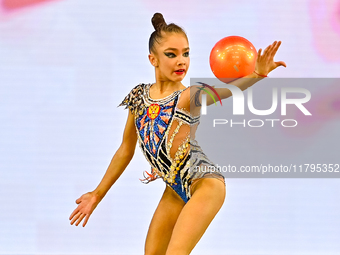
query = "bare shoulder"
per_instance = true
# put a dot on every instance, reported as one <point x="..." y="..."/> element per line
<point x="191" y="99"/>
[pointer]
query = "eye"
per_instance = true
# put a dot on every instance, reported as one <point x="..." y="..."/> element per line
<point x="169" y="54"/>
<point x="186" y="54"/>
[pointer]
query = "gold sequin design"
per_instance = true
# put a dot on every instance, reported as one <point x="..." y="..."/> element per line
<point x="177" y="162"/>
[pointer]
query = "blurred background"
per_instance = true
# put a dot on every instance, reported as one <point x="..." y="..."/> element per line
<point x="65" y="65"/>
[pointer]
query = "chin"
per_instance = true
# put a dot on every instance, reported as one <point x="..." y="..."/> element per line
<point x="180" y="78"/>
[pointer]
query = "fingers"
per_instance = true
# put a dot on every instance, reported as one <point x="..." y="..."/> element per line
<point x="75" y="217"/>
<point x="78" y="201"/>
<point x="271" y="50"/>
<point x="86" y="205"/>
<point x="275" y="48"/>
<point x="74" y="213"/>
<point x="281" y="63"/>
<point x="86" y="219"/>
<point x="80" y="218"/>
<point x="267" y="50"/>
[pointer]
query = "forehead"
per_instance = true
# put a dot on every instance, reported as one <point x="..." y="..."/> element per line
<point x="173" y="40"/>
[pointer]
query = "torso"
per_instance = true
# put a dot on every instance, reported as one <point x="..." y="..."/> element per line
<point x="169" y="125"/>
<point x="166" y="134"/>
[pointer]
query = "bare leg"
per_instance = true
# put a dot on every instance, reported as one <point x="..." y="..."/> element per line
<point x="195" y="217"/>
<point x="163" y="222"/>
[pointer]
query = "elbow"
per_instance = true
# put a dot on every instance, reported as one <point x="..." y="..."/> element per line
<point x="127" y="151"/>
<point x="130" y="154"/>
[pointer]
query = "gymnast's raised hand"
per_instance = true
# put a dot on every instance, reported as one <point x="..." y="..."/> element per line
<point x="265" y="63"/>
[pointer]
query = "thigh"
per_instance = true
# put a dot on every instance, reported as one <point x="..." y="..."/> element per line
<point x="195" y="217"/>
<point x="208" y="175"/>
<point x="163" y="222"/>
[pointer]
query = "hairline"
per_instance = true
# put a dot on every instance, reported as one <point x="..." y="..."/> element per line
<point x="161" y="31"/>
<point x="175" y="49"/>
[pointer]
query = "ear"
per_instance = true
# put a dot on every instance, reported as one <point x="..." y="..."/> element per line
<point x="153" y="60"/>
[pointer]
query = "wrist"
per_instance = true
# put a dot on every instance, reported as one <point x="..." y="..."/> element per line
<point x="259" y="75"/>
<point x="98" y="194"/>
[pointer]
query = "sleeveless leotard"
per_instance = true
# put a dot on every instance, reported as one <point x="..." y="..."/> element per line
<point x="163" y="130"/>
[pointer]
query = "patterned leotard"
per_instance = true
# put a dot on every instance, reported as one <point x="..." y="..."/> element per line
<point x="163" y="131"/>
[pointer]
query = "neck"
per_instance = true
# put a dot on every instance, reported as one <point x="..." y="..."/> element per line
<point x="164" y="85"/>
<point x="167" y="86"/>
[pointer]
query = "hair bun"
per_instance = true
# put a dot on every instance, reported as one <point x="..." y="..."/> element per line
<point x="158" y="21"/>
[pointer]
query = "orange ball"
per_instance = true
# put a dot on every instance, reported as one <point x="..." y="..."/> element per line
<point x="232" y="57"/>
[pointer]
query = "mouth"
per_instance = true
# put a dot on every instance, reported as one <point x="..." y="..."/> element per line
<point x="180" y="71"/>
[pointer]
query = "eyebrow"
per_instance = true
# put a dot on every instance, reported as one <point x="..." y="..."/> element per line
<point x="174" y="49"/>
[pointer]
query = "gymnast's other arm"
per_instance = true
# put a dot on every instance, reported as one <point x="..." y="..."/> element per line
<point x="89" y="201"/>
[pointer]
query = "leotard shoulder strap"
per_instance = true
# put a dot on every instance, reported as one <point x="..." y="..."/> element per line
<point x="134" y="99"/>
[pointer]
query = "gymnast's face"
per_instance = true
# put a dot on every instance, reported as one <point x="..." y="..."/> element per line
<point x="172" y="57"/>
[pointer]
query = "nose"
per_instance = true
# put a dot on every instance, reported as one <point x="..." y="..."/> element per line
<point x="180" y="60"/>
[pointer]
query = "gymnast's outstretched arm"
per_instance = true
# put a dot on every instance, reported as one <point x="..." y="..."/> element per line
<point x="89" y="201"/>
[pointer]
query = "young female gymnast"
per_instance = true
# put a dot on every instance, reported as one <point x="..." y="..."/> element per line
<point x="164" y="117"/>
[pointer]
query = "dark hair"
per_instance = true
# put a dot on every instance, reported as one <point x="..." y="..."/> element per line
<point x="160" y="26"/>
